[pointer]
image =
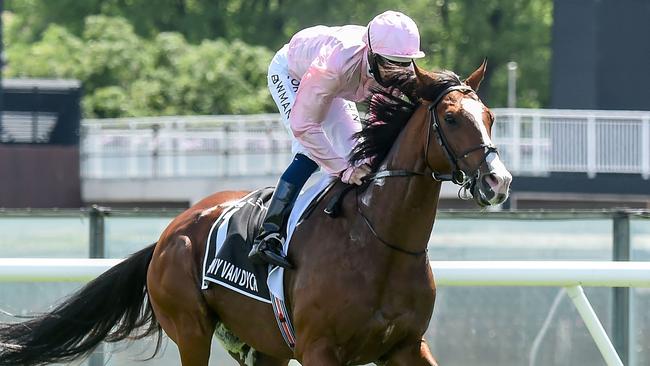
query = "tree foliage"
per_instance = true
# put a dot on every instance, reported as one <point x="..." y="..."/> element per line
<point x="124" y="74"/>
<point x="194" y="56"/>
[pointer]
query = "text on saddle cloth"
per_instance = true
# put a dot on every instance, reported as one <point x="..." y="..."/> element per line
<point x="231" y="237"/>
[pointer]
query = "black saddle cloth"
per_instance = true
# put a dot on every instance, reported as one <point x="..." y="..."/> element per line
<point x="227" y="263"/>
<point x="226" y="260"/>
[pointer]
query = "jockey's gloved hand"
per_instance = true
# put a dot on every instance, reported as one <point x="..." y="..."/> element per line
<point x="355" y="174"/>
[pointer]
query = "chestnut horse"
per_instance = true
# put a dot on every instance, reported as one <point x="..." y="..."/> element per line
<point x="362" y="290"/>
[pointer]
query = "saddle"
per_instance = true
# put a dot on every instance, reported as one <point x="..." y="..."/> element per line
<point x="231" y="238"/>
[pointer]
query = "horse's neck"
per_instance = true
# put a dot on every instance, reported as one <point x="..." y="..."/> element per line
<point x="403" y="209"/>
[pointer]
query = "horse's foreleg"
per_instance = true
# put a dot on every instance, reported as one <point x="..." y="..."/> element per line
<point x="319" y="353"/>
<point x="414" y="354"/>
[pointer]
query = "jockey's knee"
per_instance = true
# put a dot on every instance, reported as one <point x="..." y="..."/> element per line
<point x="300" y="169"/>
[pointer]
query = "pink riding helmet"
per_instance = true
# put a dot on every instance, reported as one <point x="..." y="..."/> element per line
<point x="395" y="36"/>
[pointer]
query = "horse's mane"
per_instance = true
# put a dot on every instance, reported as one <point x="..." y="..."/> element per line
<point x="390" y="109"/>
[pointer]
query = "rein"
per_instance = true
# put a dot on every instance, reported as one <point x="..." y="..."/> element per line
<point x="457" y="175"/>
<point x="391" y="246"/>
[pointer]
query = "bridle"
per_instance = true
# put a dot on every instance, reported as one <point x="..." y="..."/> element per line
<point x="457" y="175"/>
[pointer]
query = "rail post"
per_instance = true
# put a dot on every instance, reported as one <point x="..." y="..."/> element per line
<point x="621" y="300"/>
<point x="97" y="237"/>
<point x="97" y="250"/>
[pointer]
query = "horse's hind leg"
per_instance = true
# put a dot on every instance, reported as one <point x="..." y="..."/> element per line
<point x="260" y="360"/>
<point x="193" y="343"/>
<point x="177" y="300"/>
<point x="194" y="349"/>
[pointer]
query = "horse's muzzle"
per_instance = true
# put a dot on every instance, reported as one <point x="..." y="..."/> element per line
<point x="491" y="189"/>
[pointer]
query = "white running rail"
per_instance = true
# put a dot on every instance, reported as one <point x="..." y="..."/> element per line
<point x="570" y="274"/>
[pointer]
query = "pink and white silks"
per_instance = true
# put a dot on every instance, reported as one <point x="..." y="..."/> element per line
<point x="316" y="78"/>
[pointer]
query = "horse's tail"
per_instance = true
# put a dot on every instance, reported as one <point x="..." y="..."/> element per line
<point x="110" y="308"/>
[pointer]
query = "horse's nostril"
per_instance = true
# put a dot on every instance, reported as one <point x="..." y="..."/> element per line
<point x="491" y="181"/>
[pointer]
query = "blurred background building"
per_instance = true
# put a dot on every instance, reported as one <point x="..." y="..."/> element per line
<point x="39" y="143"/>
<point x="599" y="55"/>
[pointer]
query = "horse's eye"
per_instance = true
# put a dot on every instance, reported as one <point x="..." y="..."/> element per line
<point x="449" y="118"/>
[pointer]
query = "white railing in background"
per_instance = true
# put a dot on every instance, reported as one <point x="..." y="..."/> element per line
<point x="540" y="141"/>
<point x="569" y="275"/>
<point x="531" y="141"/>
<point x="184" y="146"/>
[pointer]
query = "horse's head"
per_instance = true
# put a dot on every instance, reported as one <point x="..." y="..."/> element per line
<point x="459" y="135"/>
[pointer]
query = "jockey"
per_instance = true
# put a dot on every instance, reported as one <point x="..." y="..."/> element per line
<point x="315" y="80"/>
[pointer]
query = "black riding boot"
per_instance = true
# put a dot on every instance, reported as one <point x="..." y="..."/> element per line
<point x="267" y="247"/>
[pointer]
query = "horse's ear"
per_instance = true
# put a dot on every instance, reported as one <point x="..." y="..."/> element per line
<point x="475" y="79"/>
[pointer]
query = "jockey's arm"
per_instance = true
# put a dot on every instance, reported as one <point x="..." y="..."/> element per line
<point x="318" y="87"/>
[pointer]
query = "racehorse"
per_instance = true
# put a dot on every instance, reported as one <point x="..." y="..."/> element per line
<point x="362" y="290"/>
